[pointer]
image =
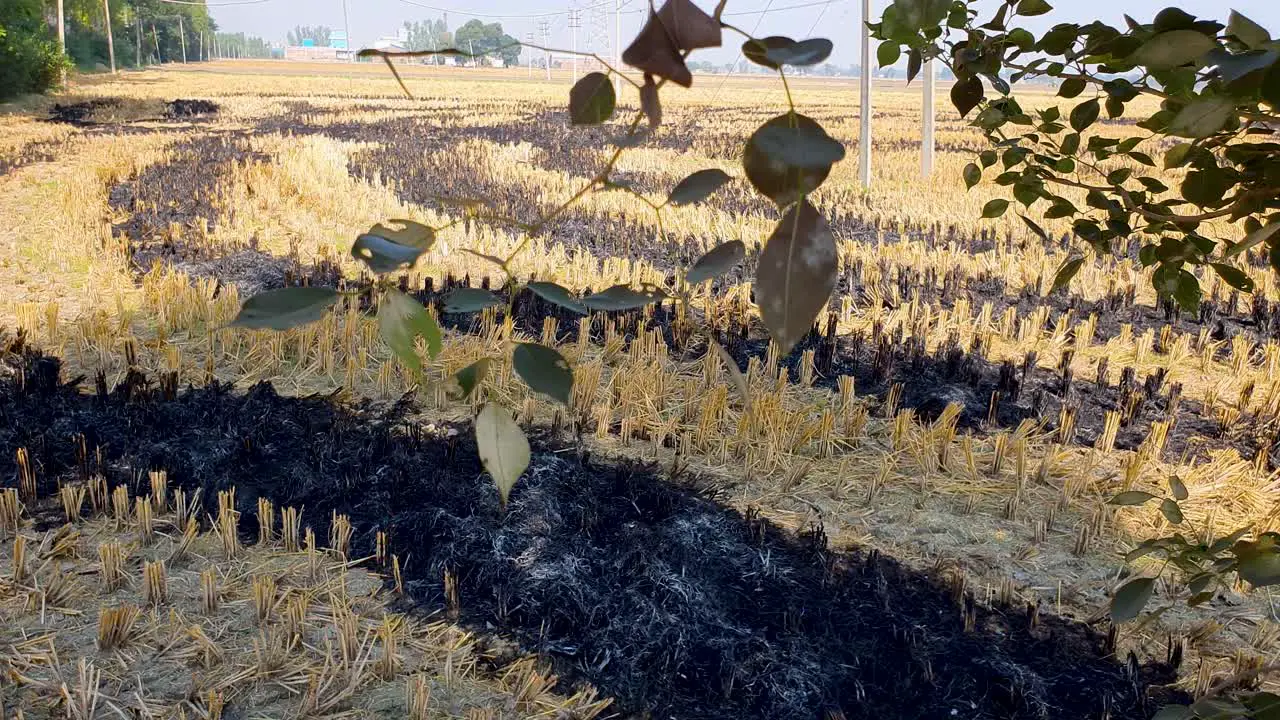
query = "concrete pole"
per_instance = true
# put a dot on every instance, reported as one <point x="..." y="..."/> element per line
<point x="617" y="45"/>
<point x="182" y="35"/>
<point x="346" y="24"/>
<point x="111" y="43"/>
<point x="927" y="143"/>
<point x="156" y="37"/>
<point x="62" y="38"/>
<point x="137" y="36"/>
<point x="864" y="134"/>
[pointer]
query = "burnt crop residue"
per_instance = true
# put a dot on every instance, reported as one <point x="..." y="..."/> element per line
<point x="649" y="590"/>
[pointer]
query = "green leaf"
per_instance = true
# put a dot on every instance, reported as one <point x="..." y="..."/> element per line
<point x="561" y="296"/>
<point x="995" y="208"/>
<point x="463" y="299"/>
<point x="1031" y="8"/>
<point x="914" y="63"/>
<point x="402" y="320"/>
<point x="383" y="255"/>
<point x="1171" y="511"/>
<point x="1178" y="488"/>
<point x="1084" y="115"/>
<point x="544" y="369"/>
<point x="1070" y="144"/>
<point x="1172" y="49"/>
<point x="1271" y="86"/>
<point x="1118" y="177"/>
<point x="1206" y="188"/>
<point x="796" y="273"/>
<point x="1188" y="291"/>
<point x="1203" y="117"/>
<point x="888" y="53"/>
<point x="1247" y="31"/>
<point x="1257" y="237"/>
<point x="972" y="175"/>
<point x="768" y="158"/>
<point x="624" y="297"/>
<point x="466" y="380"/>
<point x="698" y="187"/>
<point x="1264" y="706"/>
<point x="285" y="308"/>
<point x="1071" y="87"/>
<point x="757" y="49"/>
<point x="1259" y="561"/>
<point x="591" y="100"/>
<point x="1130" y="598"/>
<point x="987" y="158"/>
<point x="504" y="450"/>
<point x="410" y="232"/>
<point x="1218" y="709"/>
<point x="1131" y="497"/>
<point x="802" y="53"/>
<point x="1065" y="273"/>
<point x="966" y="94"/>
<point x="716" y="262"/>
<point x="1233" y="276"/>
<point x="1174" y="712"/>
<point x="1177" y="155"/>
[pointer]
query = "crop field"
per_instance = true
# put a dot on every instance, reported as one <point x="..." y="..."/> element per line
<point x="204" y="521"/>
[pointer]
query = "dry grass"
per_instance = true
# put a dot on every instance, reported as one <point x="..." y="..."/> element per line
<point x="1003" y="507"/>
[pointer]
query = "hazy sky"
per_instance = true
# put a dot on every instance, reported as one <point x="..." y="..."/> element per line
<point x="835" y="19"/>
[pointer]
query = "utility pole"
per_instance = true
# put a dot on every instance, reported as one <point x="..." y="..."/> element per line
<point x="471" y="48"/>
<point x="182" y="35"/>
<point x="137" y="36"/>
<point x="545" y="27"/>
<point x="528" y="39"/>
<point x="111" y="43"/>
<point x="617" y="46"/>
<point x="575" y="22"/>
<point x="156" y="37"/>
<point x="346" y="24"/>
<point x="864" y="132"/>
<point x="927" y="142"/>
<point x="200" y="55"/>
<point x="62" y="39"/>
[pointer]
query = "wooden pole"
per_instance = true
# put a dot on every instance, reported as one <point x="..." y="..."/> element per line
<point x="927" y="143"/>
<point x="182" y="35"/>
<point x="111" y="43"/>
<point x="156" y="37"/>
<point x="864" y="134"/>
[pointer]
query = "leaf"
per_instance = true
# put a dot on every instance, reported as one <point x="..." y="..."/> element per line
<point x="1174" y="712"/>
<point x="966" y="94"/>
<point x="1071" y="87"/>
<point x="591" y="100"/>
<point x="650" y="103"/>
<point x="1131" y="497"/>
<point x="1211" y="708"/>
<point x="888" y="53"/>
<point x="1178" y="488"/>
<point x="1259" y="561"/>
<point x="1177" y="155"/>
<point x="995" y="208"/>
<point x="504" y="450"/>
<point x="467" y="379"/>
<point x="1168" y="50"/>
<point x="1233" y="276"/>
<point x="1130" y="598"/>
<point x="914" y="63"/>
<point x="796" y="274"/>
<point x="285" y="308"/>
<point x="544" y="369"/>
<point x="972" y="175"/>
<point x="802" y="53"/>
<point x="1065" y="273"/>
<point x="412" y="233"/>
<point x="1084" y="115"/>
<point x="777" y="179"/>
<point x="402" y="320"/>
<point x="624" y="297"/>
<point x="1247" y="31"/>
<point x="1031" y="8"/>
<point x="1203" y="117"/>
<point x="807" y="147"/>
<point x="554" y="293"/>
<point x="1253" y="239"/>
<point x="654" y="52"/>
<point x="488" y="258"/>
<point x="383" y="255"/>
<point x="460" y="300"/>
<point x="1035" y="228"/>
<point x="1171" y="511"/>
<point x="1264" y="706"/>
<point x="716" y="262"/>
<point x="757" y="49"/>
<point x="689" y="27"/>
<point x="698" y="187"/>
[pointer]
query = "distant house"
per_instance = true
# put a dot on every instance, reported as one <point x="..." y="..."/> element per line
<point x="311" y="53"/>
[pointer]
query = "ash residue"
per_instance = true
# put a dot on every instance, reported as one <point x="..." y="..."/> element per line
<point x="654" y="593"/>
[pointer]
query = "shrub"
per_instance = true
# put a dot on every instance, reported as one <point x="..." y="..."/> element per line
<point x="29" y="57"/>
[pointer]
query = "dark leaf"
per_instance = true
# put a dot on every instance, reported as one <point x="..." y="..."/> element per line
<point x="966" y="94"/>
<point x="285" y="308"/>
<point x="1064" y="275"/>
<point x="1071" y="87"/>
<point x="778" y="179"/>
<point x="544" y="369"/>
<point x="757" y="49"/>
<point x="802" y="53"/>
<point x="591" y="100"/>
<point x="402" y="320"/>
<point x="796" y="274"/>
<point x="995" y="208"/>
<point x="1171" y="49"/>
<point x="469" y="378"/>
<point x="972" y="175"/>
<point x="1203" y="117"/>
<point x="1034" y="227"/>
<point x="914" y="63"/>
<point x="1130" y="598"/>
<point x="383" y="255"/>
<point x="624" y="297"/>
<point x="1084" y="115"/>
<point x="1030" y="8"/>
<point x="1248" y="32"/>
<point x="554" y="293"/>
<point x="461" y="300"/>
<point x="807" y="147"/>
<point x="650" y="103"/>
<point x="1178" y="488"/>
<point x="1131" y="497"/>
<point x="1171" y="511"/>
<point x="1234" y="277"/>
<point x="716" y="262"/>
<point x="698" y="187"/>
<point x="410" y="233"/>
<point x="654" y="52"/>
<point x="1257" y="237"/>
<point x="689" y="27"/>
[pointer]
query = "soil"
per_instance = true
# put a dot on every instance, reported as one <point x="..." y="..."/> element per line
<point x="647" y="588"/>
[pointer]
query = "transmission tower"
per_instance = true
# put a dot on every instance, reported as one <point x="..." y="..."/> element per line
<point x="544" y="27"/>
<point x="575" y="22"/>
<point x="599" y="29"/>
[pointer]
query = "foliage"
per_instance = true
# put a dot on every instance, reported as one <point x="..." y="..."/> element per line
<point x="29" y="57"/>
<point x="1219" y="92"/>
<point x="429" y="35"/>
<point x="482" y="39"/>
<point x="318" y="35"/>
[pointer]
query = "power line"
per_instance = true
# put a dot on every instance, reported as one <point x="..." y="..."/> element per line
<point x="497" y="16"/>
<point x="219" y="4"/>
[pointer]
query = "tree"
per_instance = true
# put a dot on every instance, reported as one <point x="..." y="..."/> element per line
<point x="318" y="35"/>
<point x="1219" y="91"/>
<point x="428" y="35"/>
<point x="30" y="60"/>
<point x="485" y="38"/>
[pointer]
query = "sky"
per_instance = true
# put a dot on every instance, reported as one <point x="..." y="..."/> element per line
<point x="833" y="19"/>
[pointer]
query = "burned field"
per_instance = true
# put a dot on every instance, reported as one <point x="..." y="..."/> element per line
<point x="728" y="615"/>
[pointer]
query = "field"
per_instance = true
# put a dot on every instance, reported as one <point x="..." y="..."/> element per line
<point x="913" y="504"/>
